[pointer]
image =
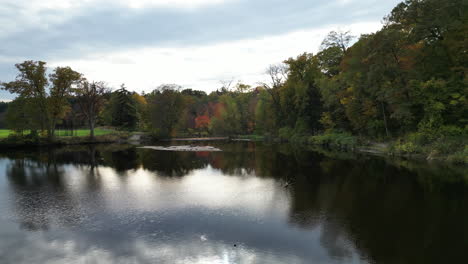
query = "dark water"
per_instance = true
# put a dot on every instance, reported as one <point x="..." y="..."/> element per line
<point x="251" y="203"/>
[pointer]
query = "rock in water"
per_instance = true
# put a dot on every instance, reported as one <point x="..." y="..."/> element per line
<point x="183" y="148"/>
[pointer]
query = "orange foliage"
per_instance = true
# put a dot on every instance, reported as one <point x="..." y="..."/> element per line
<point x="216" y="109"/>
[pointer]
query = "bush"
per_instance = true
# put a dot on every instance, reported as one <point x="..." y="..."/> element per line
<point x="434" y="142"/>
<point x="451" y="131"/>
<point x="19" y="139"/>
<point x="336" y="139"/>
<point x="405" y="147"/>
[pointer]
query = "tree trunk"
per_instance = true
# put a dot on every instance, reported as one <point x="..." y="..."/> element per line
<point x="51" y="130"/>
<point x="385" y="119"/>
<point x="91" y="129"/>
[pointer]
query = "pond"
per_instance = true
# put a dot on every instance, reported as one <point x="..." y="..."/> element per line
<point x="248" y="203"/>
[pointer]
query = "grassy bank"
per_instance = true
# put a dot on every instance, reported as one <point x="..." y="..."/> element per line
<point x="4" y="133"/>
<point x="65" y="133"/>
<point x="8" y="139"/>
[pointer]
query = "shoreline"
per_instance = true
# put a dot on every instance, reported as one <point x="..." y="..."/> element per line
<point x="64" y="141"/>
<point x="371" y="148"/>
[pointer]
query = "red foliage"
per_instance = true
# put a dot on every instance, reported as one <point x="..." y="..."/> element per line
<point x="202" y="154"/>
<point x="202" y="122"/>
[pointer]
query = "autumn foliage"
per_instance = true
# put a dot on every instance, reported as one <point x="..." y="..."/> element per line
<point x="202" y="122"/>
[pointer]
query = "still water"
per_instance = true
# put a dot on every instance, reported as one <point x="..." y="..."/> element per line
<point x="250" y="203"/>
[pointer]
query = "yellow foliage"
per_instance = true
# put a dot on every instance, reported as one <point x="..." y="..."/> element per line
<point x="139" y="99"/>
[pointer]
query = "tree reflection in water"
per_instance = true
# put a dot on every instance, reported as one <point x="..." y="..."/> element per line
<point x="383" y="211"/>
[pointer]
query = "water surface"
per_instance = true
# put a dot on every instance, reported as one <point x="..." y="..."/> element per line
<point x="250" y="203"/>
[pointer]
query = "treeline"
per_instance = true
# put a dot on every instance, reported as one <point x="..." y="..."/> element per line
<point x="409" y="77"/>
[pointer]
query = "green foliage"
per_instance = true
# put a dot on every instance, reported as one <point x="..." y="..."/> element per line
<point x="335" y="139"/>
<point x="22" y="115"/>
<point x="122" y="110"/>
<point x="63" y="80"/>
<point x="265" y="120"/>
<point x="407" y="147"/>
<point x="4" y="133"/>
<point x="30" y="84"/>
<point x="300" y="95"/>
<point x="22" y="139"/>
<point x="230" y="116"/>
<point x="450" y="141"/>
<point x="459" y="157"/>
<point x="406" y="82"/>
<point x="166" y="106"/>
<point x="286" y="133"/>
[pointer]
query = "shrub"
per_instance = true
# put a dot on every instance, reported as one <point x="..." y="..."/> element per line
<point x="418" y="138"/>
<point x="451" y="131"/>
<point x="405" y="147"/>
<point x="459" y="157"/>
<point x="285" y="133"/>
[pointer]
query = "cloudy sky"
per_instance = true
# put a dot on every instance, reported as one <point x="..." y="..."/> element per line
<point x="194" y="43"/>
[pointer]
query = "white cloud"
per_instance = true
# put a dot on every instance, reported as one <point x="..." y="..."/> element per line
<point x="44" y="14"/>
<point x="44" y="5"/>
<point x="169" y="3"/>
<point x="202" y="67"/>
<point x="195" y="43"/>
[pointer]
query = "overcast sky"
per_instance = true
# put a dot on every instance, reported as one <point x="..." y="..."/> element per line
<point x="194" y="43"/>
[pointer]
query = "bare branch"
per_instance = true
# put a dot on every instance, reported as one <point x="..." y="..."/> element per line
<point x="277" y="74"/>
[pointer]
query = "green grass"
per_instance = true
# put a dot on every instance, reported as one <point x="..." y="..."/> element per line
<point x="64" y="133"/>
<point x="4" y="133"/>
<point x="84" y="132"/>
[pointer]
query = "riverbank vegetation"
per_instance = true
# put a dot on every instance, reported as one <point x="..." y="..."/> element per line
<point x="405" y="85"/>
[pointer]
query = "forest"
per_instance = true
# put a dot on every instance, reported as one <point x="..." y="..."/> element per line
<point x="405" y="84"/>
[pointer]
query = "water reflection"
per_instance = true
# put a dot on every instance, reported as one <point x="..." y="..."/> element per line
<point x="251" y="203"/>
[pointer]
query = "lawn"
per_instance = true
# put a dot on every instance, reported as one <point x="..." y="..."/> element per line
<point x="63" y="133"/>
<point x="4" y="133"/>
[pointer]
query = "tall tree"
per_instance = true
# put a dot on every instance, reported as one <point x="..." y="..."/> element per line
<point x="90" y="98"/>
<point x="166" y="105"/>
<point x="31" y="82"/>
<point x="122" y="109"/>
<point x="300" y="94"/>
<point x="63" y="80"/>
<point x="277" y="75"/>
